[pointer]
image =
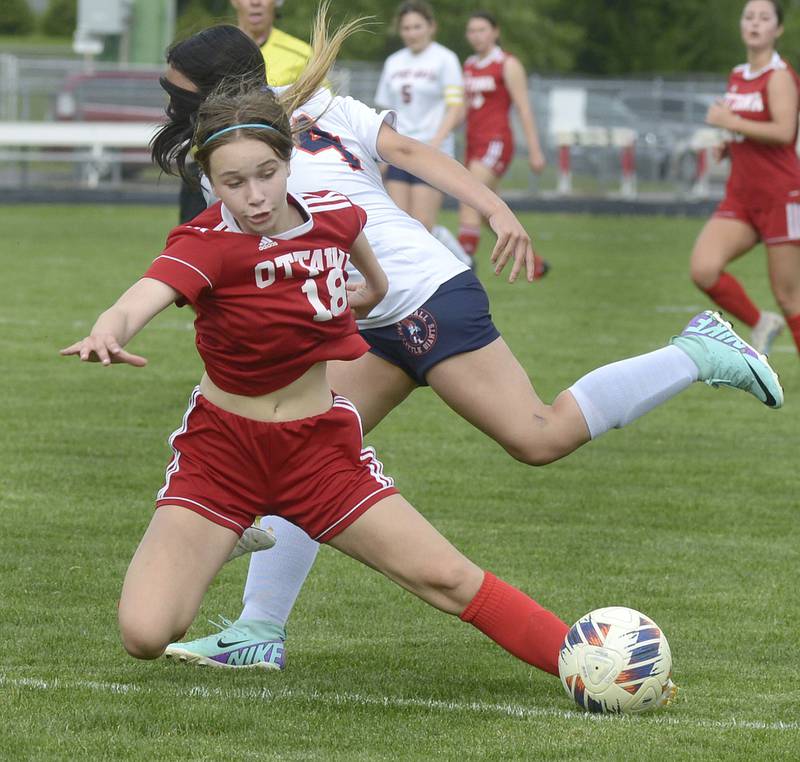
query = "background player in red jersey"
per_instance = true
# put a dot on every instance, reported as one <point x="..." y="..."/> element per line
<point x="264" y="433"/>
<point x="493" y="81"/>
<point x="762" y="197"/>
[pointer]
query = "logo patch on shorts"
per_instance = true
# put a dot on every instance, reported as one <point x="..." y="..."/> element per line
<point x="418" y="332"/>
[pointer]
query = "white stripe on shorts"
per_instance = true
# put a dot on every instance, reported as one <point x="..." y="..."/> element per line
<point x="493" y="152"/>
<point x="793" y="221"/>
<point x="344" y="403"/>
<point x="174" y="464"/>
<point x="222" y="516"/>
<point x="342" y="518"/>
<point x="370" y="457"/>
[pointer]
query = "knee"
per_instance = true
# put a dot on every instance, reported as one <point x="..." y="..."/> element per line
<point x="535" y="453"/>
<point x="145" y="640"/>
<point x="450" y="584"/>
<point x="703" y="273"/>
<point x="543" y="441"/>
<point x="788" y="298"/>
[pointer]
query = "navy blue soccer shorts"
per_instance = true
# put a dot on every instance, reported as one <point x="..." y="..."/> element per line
<point x="456" y="319"/>
<point x="401" y="176"/>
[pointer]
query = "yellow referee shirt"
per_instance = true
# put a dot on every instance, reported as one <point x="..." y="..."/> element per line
<point x="285" y="57"/>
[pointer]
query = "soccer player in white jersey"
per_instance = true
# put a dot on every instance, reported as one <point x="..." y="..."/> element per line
<point x="424" y="85"/>
<point x="434" y="328"/>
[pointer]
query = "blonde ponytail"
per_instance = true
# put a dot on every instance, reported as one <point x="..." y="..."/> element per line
<point x="325" y="47"/>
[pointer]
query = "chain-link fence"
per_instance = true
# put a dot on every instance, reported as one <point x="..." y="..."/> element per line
<point x="600" y="136"/>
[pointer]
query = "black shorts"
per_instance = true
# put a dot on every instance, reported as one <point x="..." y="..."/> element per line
<point x="456" y="319"/>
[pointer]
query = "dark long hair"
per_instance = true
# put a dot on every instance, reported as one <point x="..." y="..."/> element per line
<point x="224" y="52"/>
<point x="205" y="58"/>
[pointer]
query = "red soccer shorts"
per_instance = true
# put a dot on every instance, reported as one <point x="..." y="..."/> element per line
<point x="313" y="471"/>
<point x="494" y="152"/>
<point x="775" y="220"/>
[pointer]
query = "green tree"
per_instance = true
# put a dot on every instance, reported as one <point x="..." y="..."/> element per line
<point x="16" y="17"/>
<point x="598" y="37"/>
<point x="520" y="23"/>
<point x="60" y="18"/>
<point x="195" y="15"/>
<point x="625" y="37"/>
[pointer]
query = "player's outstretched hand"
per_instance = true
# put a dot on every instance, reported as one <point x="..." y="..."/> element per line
<point x="103" y="348"/>
<point x="362" y="298"/>
<point x="513" y="243"/>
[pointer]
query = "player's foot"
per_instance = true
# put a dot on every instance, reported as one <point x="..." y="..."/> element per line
<point x="725" y="359"/>
<point x="240" y="644"/>
<point x="668" y="695"/>
<point x="540" y="267"/>
<point x="765" y="331"/>
<point x="252" y="540"/>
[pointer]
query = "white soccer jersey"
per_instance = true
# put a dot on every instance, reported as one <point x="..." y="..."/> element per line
<point x="340" y="153"/>
<point x="420" y="87"/>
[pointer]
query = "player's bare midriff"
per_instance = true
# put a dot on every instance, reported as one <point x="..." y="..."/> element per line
<point x="308" y="395"/>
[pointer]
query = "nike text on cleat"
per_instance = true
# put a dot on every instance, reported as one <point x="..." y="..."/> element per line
<point x="241" y="644"/>
<point x="723" y="358"/>
<point x="252" y="540"/>
<point x="765" y="331"/>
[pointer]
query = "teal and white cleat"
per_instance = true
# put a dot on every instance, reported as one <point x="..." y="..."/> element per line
<point x="252" y="540"/>
<point x="240" y="644"/>
<point x="725" y="359"/>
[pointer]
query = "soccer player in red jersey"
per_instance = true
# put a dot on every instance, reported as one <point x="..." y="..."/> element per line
<point x="493" y="81"/>
<point x="762" y="197"/>
<point x="264" y="271"/>
<point x="418" y="339"/>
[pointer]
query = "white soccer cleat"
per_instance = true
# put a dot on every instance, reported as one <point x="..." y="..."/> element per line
<point x="765" y="331"/>
<point x="253" y="539"/>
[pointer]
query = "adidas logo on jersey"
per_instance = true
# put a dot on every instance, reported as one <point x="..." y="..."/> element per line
<point x="266" y="243"/>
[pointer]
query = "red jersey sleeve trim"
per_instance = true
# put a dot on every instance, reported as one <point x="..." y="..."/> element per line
<point x="198" y="271"/>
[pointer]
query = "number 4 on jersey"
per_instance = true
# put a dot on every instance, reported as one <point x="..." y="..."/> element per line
<point x="313" y="140"/>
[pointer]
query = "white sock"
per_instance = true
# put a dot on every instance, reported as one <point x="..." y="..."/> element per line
<point x="276" y="576"/>
<point x="444" y="236"/>
<point x="614" y="395"/>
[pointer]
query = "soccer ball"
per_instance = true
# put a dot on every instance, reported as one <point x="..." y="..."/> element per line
<point x="616" y="660"/>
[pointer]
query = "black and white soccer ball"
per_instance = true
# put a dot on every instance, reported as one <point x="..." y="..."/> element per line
<point x="617" y="660"/>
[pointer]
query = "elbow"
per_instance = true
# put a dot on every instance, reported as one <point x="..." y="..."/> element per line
<point x="383" y="286"/>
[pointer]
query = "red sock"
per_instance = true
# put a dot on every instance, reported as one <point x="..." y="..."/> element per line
<point x="794" y="326"/>
<point x="729" y="294"/>
<point x="517" y="623"/>
<point x="469" y="238"/>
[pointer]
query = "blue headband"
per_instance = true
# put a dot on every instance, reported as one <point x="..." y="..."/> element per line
<point x="215" y="135"/>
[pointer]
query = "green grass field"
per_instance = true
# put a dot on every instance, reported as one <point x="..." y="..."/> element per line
<point x="690" y="515"/>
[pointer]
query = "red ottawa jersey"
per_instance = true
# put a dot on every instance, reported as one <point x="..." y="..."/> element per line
<point x="488" y="99"/>
<point x="759" y="170"/>
<point x="268" y="308"/>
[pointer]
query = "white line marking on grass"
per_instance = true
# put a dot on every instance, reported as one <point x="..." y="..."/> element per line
<point x="356" y="699"/>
